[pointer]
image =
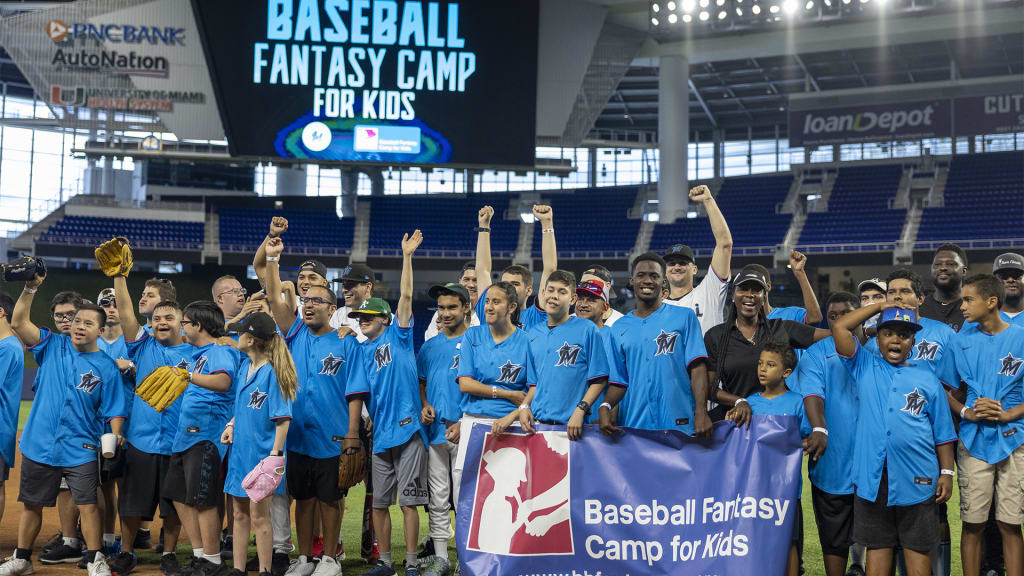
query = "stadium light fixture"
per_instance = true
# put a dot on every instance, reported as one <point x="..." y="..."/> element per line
<point x="704" y="15"/>
<point x="739" y="11"/>
<point x="655" y="21"/>
<point x="687" y="18"/>
<point x="756" y="9"/>
<point x="809" y="6"/>
<point x="705" y="3"/>
<point x="671" y="5"/>
<point x="719" y="2"/>
<point x="789" y="6"/>
<point x="722" y="15"/>
<point x="655" y="7"/>
<point x="672" y="18"/>
<point x="774" y="9"/>
<point x="689" y="5"/>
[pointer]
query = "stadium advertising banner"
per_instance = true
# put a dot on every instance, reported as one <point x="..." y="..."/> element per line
<point x="998" y="114"/>
<point x="870" y="123"/>
<point x="142" y="57"/>
<point x="644" y="502"/>
<point x="391" y="81"/>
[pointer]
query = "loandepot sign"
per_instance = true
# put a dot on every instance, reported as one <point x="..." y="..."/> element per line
<point x="869" y="123"/>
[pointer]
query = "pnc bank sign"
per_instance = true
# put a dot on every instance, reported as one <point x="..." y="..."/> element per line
<point x="62" y="32"/>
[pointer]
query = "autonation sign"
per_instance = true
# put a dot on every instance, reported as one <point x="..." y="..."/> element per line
<point x="900" y="121"/>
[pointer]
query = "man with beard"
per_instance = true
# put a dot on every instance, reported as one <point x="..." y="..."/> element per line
<point x="949" y="266"/>
<point x="1009" y="268"/>
<point x="707" y="300"/>
<point x="656" y="346"/>
<point x="356" y="286"/>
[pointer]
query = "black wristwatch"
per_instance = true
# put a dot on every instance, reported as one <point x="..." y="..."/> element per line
<point x="277" y="453"/>
<point x="584" y="406"/>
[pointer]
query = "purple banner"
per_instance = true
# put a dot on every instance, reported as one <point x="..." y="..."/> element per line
<point x="643" y="502"/>
<point x="870" y="123"/>
<point x="998" y="114"/>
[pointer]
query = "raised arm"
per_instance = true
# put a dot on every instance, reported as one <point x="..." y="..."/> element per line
<point x="21" y="321"/>
<point x="547" y="244"/>
<point x="721" y="258"/>
<point x="284" y="313"/>
<point x="409" y="245"/>
<point x="797" y="262"/>
<point x="842" y="329"/>
<point x="126" y="309"/>
<point x="483" y="249"/>
<point x="278" y="226"/>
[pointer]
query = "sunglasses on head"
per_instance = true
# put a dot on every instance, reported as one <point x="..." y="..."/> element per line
<point x="107" y="302"/>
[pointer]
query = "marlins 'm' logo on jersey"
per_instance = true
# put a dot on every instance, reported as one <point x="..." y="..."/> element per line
<point x="926" y="350"/>
<point x="89" y="382"/>
<point x="183" y="364"/>
<point x="329" y="364"/>
<point x="915" y="402"/>
<point x="200" y="364"/>
<point x="455" y="363"/>
<point x="1010" y="365"/>
<point x="256" y="399"/>
<point x="568" y="354"/>
<point x="666" y="342"/>
<point x="382" y="355"/>
<point x="510" y="372"/>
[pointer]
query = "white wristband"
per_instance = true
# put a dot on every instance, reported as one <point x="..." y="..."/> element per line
<point x="605" y="405"/>
<point x="524" y="407"/>
<point x="964" y="411"/>
<point x="273" y="258"/>
<point x="946" y="472"/>
<point x="820" y="429"/>
<point x="740" y="401"/>
<point x="30" y="290"/>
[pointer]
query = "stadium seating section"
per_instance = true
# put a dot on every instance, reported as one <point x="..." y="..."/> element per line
<point x="444" y="222"/>
<point x="315" y="232"/>
<point x="749" y="205"/>
<point x="983" y="207"/>
<point x="591" y="222"/>
<point x="88" y="230"/>
<point x="984" y="199"/>
<point x="858" y="209"/>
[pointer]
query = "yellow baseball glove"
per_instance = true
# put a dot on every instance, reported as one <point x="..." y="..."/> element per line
<point x="163" y="386"/>
<point x="115" y="257"/>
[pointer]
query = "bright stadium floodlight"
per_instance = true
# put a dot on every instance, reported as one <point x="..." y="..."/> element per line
<point x="655" y="21"/>
<point x="672" y="18"/>
<point x="756" y="9"/>
<point x="719" y="2"/>
<point x="774" y="9"/>
<point x="671" y="5"/>
<point x="704" y="15"/>
<point x="705" y="3"/>
<point x="789" y="6"/>
<point x="809" y="6"/>
<point x="689" y="5"/>
<point x="722" y="15"/>
<point x="687" y="18"/>
<point x="739" y="11"/>
<point x="656" y="8"/>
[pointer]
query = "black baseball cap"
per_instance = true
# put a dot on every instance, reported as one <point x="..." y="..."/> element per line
<point x="1008" y="261"/>
<point x="356" y="272"/>
<point x="257" y="324"/>
<point x="316" y="266"/>
<point x="679" y="251"/>
<point x="453" y="288"/>
<point x="751" y="274"/>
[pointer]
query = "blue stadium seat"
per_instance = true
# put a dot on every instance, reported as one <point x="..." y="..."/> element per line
<point x="314" y="231"/>
<point x="592" y="220"/>
<point x="91" y="230"/>
<point x="858" y="209"/>
<point x="446" y="222"/>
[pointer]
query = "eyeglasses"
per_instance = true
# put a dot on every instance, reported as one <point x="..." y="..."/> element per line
<point x="105" y="302"/>
<point x="349" y="284"/>
<point x="64" y="316"/>
<point x="312" y="300"/>
<point x="235" y="292"/>
<point x="190" y="322"/>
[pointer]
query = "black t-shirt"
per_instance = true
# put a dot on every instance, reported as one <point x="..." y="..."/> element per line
<point x="948" y="314"/>
<point x="738" y="374"/>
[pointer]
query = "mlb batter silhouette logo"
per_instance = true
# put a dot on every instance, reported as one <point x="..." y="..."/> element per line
<point x="521" y="506"/>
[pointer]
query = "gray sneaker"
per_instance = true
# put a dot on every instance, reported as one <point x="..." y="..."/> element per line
<point x="301" y="566"/>
<point x="16" y="567"/>
<point x="436" y="566"/>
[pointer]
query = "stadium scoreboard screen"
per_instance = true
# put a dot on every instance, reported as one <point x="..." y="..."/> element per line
<point x="388" y="81"/>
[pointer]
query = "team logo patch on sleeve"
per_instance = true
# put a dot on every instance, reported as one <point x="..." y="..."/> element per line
<point x="915" y="402"/>
<point x="1010" y="366"/>
<point x="89" y="382"/>
<point x="256" y="399"/>
<point x="329" y="364"/>
<point x="568" y="354"/>
<point x="510" y="372"/>
<point x="926" y="350"/>
<point x="666" y="342"/>
<point x="382" y="355"/>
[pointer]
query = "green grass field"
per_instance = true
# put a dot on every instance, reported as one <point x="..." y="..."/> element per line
<point x="350" y="530"/>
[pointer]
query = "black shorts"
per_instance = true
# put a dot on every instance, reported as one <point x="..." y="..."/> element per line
<point x="834" y="515"/>
<point x="140" y="493"/>
<point x="193" y="476"/>
<point x="5" y="469"/>
<point x="877" y="525"/>
<point x="41" y="482"/>
<point x="309" y="477"/>
<point x="112" y="468"/>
